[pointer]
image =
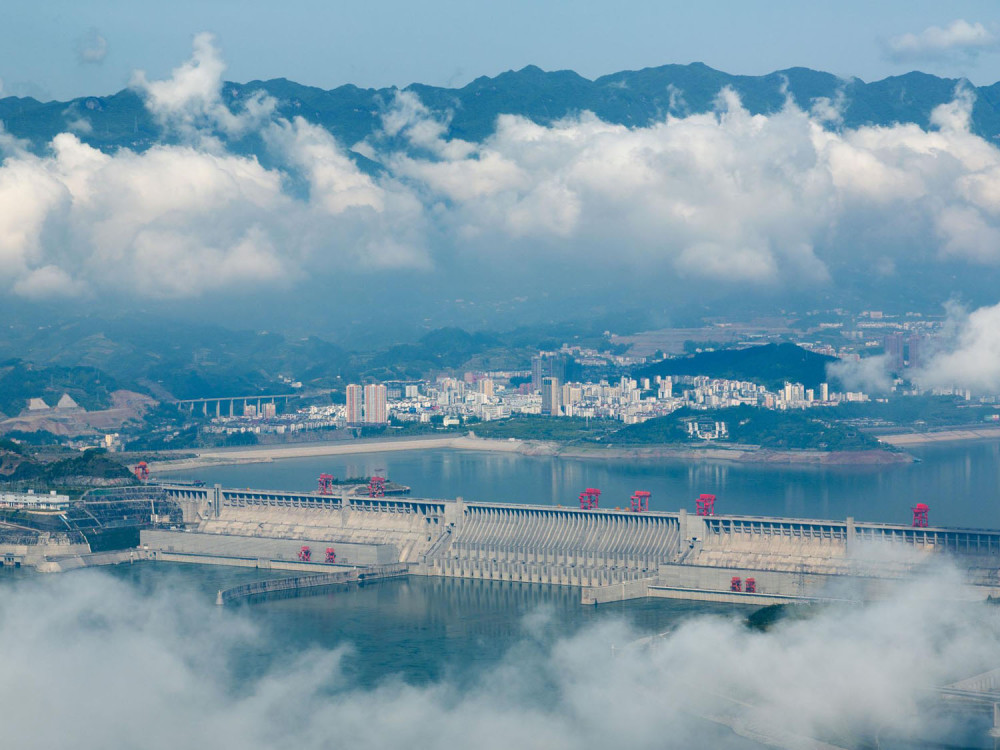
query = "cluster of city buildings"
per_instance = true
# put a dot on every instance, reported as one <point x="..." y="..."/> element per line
<point x="449" y="401"/>
<point x="557" y="386"/>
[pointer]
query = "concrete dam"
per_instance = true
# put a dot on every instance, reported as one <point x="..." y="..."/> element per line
<point x="611" y="554"/>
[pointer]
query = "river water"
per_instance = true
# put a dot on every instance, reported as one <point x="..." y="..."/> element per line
<point x="960" y="481"/>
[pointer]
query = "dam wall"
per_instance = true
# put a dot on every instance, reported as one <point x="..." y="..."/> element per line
<point x="544" y="544"/>
<point x="409" y="526"/>
<point x="610" y="552"/>
<point x="229" y="545"/>
<point x="35" y="551"/>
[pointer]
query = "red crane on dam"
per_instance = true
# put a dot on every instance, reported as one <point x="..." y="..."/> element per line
<point x="305" y="554"/>
<point x="376" y="487"/>
<point x="331" y="555"/>
<point x="325" y="486"/>
<point x="640" y="501"/>
<point x="920" y="515"/>
<point x="590" y="498"/>
<point x="705" y="505"/>
<point x="141" y="471"/>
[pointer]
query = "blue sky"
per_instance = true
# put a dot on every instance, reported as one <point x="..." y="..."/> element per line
<point x="65" y="48"/>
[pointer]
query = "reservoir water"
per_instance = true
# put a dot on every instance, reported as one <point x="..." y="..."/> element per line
<point x="418" y="629"/>
<point x="430" y="662"/>
<point x="960" y="481"/>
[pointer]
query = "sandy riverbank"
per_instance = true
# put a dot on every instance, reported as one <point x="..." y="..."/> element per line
<point x="907" y="439"/>
<point x="745" y="454"/>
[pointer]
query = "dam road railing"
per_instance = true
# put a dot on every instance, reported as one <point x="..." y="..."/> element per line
<point x="295" y="583"/>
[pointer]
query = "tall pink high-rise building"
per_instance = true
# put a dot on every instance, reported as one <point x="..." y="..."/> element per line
<point x="376" y="411"/>
<point x="353" y="412"/>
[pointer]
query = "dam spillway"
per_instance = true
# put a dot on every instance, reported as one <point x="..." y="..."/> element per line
<point x="609" y="553"/>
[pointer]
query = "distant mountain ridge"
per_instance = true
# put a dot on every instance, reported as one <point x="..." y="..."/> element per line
<point x="631" y="98"/>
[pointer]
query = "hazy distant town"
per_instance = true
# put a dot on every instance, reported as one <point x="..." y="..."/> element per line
<point x="549" y="389"/>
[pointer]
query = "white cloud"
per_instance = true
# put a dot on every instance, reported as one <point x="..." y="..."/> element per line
<point x="969" y="352"/>
<point x="91" y="48"/>
<point x="190" y="101"/>
<point x="935" y="42"/>
<point x="769" y="201"/>
<point x="125" y="658"/>
<point x="869" y="374"/>
<point x="48" y="283"/>
<point x="723" y="195"/>
<point x="176" y="221"/>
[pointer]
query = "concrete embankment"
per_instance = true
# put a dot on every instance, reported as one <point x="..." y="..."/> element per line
<point x="91" y="560"/>
<point x="262" y="454"/>
<point x="734" y="453"/>
<point x="317" y="580"/>
<point x="908" y="439"/>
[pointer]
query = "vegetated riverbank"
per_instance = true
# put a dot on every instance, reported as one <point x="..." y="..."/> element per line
<point x="711" y="452"/>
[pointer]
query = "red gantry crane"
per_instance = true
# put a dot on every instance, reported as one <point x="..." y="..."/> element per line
<point x="590" y="498"/>
<point x="376" y="487"/>
<point x="640" y="501"/>
<point x="325" y="484"/>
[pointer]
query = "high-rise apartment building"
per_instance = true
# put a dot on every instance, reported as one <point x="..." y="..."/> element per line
<point x="537" y="372"/>
<point x="376" y="411"/>
<point x="915" y="351"/>
<point x="666" y="389"/>
<point x="548" y="366"/>
<point x="353" y="412"/>
<point x="893" y="343"/>
<point x="486" y="387"/>
<point x="550" y="396"/>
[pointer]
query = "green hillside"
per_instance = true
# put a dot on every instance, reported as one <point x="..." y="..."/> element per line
<point x="776" y="430"/>
<point x="771" y="365"/>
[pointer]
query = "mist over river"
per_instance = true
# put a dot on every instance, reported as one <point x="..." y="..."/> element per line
<point x="960" y="481"/>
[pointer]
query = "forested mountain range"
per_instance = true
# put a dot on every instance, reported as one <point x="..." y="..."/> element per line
<point x="633" y="98"/>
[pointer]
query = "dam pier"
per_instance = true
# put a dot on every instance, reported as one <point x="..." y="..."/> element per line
<point x="609" y="554"/>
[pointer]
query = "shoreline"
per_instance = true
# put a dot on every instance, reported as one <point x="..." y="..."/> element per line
<point x="954" y="435"/>
<point x="736" y="454"/>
